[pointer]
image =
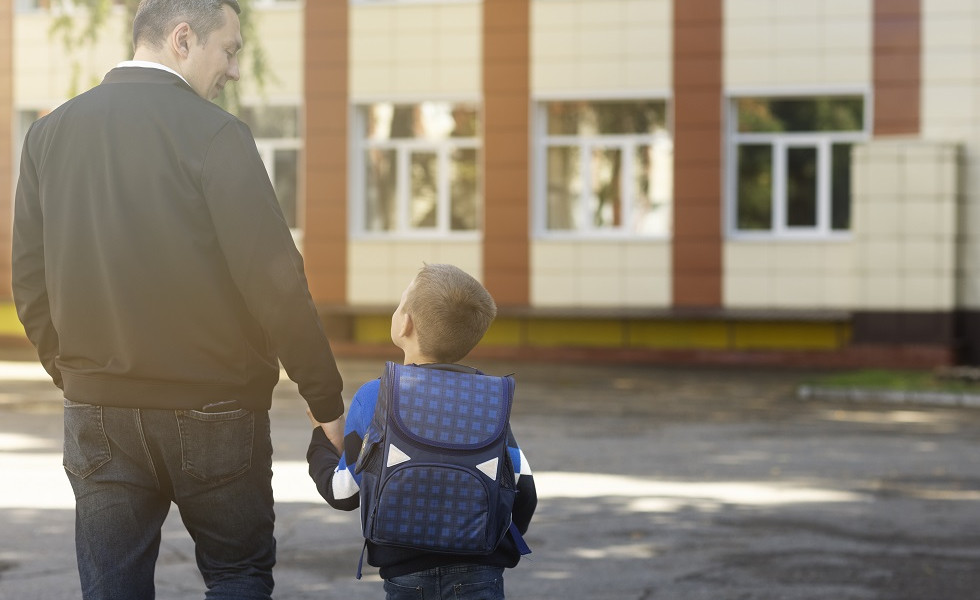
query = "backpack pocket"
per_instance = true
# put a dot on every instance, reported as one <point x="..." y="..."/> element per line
<point x="434" y="507"/>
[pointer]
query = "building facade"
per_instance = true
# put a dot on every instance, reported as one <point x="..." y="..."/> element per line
<point x="742" y="181"/>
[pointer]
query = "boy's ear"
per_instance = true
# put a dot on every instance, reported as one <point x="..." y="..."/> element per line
<point x="408" y="326"/>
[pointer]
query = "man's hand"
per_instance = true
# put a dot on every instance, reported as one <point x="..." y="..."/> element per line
<point x="334" y="430"/>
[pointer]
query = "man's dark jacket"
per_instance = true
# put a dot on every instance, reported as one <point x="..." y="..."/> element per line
<point x="152" y="266"/>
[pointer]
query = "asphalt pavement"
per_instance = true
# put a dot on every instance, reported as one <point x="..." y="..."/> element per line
<point x="677" y="483"/>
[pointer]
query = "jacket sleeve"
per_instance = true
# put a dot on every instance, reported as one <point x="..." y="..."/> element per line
<point x="267" y="268"/>
<point x="527" y="495"/>
<point x="333" y="476"/>
<point x="27" y="266"/>
<point x="332" y="470"/>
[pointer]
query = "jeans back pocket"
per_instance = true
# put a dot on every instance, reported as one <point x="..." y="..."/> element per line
<point x="86" y="446"/>
<point x="216" y="447"/>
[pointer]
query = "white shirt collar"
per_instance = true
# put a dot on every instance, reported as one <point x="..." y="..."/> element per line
<point x="150" y="65"/>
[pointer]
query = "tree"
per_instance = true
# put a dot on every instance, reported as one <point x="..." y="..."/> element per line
<point x="81" y="23"/>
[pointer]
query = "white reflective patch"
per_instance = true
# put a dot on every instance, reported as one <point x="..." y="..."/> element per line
<point x="489" y="468"/>
<point x="344" y="485"/>
<point x="396" y="456"/>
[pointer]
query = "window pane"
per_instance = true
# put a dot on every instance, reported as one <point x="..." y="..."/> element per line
<point x="564" y="187"/>
<point x="605" y="118"/>
<point x="286" y="177"/>
<point x="430" y="120"/>
<point x="840" y="208"/>
<point x="800" y="114"/>
<point x="380" y="184"/>
<point x="605" y="201"/>
<point x="652" y="177"/>
<point x="754" y="187"/>
<point x="801" y="187"/>
<point x="463" y="191"/>
<point x="423" y="206"/>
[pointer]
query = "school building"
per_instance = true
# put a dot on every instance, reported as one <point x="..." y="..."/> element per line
<point x="713" y="181"/>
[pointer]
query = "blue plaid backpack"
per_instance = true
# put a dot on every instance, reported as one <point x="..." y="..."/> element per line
<point x="435" y="471"/>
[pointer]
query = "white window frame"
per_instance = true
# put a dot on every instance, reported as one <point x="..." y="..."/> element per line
<point x="780" y="142"/>
<point x="267" y="148"/>
<point x="625" y="143"/>
<point x="404" y="148"/>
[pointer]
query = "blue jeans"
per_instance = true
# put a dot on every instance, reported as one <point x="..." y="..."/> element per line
<point x="456" y="582"/>
<point x="127" y="465"/>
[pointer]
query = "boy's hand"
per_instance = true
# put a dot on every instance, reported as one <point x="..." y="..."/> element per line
<point x="334" y="430"/>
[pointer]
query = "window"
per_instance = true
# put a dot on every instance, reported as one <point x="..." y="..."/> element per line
<point x="606" y="167"/>
<point x="28" y="5"/>
<point x="277" y="137"/>
<point x="791" y="162"/>
<point x="418" y="169"/>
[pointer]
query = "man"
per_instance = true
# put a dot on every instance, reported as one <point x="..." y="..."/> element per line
<point x="155" y="274"/>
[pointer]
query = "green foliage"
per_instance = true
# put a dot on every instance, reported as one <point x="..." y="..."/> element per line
<point x="78" y="24"/>
<point x="895" y="380"/>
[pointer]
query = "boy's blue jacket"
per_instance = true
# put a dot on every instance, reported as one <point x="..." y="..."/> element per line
<point x="333" y="473"/>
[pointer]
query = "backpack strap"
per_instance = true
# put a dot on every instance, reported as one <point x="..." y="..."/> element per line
<point x="360" y="561"/>
<point x="522" y="546"/>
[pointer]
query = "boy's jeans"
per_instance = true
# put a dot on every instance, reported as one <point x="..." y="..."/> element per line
<point x="126" y="465"/>
<point x="457" y="582"/>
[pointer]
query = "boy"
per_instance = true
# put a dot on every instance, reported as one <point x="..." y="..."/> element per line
<point x="443" y="314"/>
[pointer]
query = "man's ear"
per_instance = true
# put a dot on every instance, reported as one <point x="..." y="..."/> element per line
<point x="180" y="39"/>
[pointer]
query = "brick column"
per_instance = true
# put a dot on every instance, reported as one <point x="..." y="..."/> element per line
<point x="698" y="130"/>
<point x="7" y="168"/>
<point x="506" y="103"/>
<point x="897" y="66"/>
<point x="324" y="173"/>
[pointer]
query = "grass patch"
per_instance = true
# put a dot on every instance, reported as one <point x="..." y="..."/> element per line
<point x="898" y="380"/>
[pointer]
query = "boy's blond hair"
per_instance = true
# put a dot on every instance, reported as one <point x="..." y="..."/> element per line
<point x="450" y="311"/>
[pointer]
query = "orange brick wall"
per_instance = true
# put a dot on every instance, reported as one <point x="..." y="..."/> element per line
<point x="897" y="66"/>
<point x="506" y="102"/>
<point x="698" y="166"/>
<point x="324" y="173"/>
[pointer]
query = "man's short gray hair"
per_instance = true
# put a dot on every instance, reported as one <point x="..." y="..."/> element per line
<point x="155" y="19"/>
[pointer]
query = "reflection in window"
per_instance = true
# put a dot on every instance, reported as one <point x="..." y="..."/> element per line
<point x="801" y="187"/>
<point x="792" y="163"/>
<point x="286" y="182"/>
<point x="424" y="201"/>
<point x="420" y="168"/>
<point x="463" y="184"/>
<point x="754" y="186"/>
<point x="379" y="213"/>
<point x="564" y="187"/>
<point x="608" y="167"/>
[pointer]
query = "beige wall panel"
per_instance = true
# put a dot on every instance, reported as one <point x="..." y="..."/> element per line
<point x="594" y="274"/>
<point x="951" y="111"/>
<point x="797" y="44"/>
<point x="43" y="71"/>
<point x="280" y="31"/>
<point x="42" y="68"/>
<point x="905" y="196"/>
<point x="583" y="46"/>
<point x="415" y="50"/>
<point x="378" y="271"/>
<point x="789" y="275"/>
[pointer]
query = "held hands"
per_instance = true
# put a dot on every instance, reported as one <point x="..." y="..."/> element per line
<point x="334" y="430"/>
